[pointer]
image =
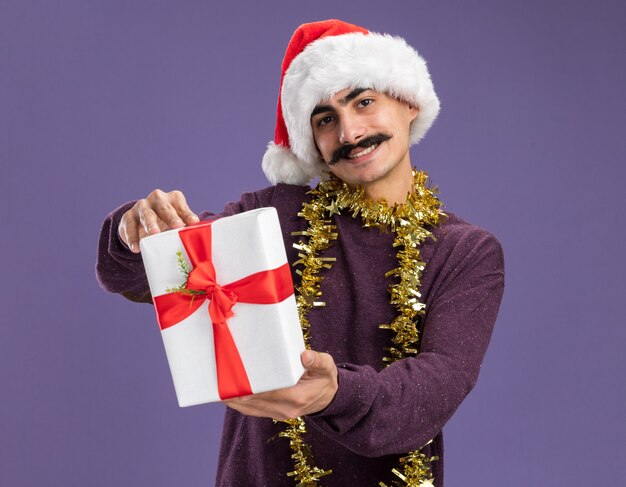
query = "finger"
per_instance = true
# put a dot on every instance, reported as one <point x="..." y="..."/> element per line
<point x="131" y="237"/>
<point x="259" y="412"/>
<point x="238" y="400"/>
<point x="127" y="231"/>
<point x="148" y="219"/>
<point x="168" y="215"/>
<point x="246" y="408"/>
<point x="159" y="203"/>
<point x="264" y="400"/>
<point x="179" y="203"/>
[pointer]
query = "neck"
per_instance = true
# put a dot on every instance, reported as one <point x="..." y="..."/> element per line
<point x="394" y="187"/>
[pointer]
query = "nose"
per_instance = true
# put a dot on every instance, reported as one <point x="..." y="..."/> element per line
<point x="351" y="129"/>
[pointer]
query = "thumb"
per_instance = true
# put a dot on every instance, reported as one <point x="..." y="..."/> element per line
<point x="316" y="363"/>
<point x="308" y="358"/>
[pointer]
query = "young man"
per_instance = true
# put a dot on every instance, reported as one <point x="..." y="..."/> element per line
<point x="408" y="312"/>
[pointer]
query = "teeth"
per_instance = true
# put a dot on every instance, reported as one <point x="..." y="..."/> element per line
<point x="363" y="152"/>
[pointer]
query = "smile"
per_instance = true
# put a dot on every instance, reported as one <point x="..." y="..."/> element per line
<point x="364" y="152"/>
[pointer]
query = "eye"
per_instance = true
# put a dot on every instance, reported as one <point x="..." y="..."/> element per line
<point x="324" y="120"/>
<point x="365" y="102"/>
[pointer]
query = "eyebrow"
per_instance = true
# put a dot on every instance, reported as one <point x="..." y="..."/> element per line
<point x="352" y="95"/>
<point x="343" y="101"/>
<point x="321" y="109"/>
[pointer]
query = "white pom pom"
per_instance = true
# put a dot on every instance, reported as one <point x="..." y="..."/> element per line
<point x="280" y="165"/>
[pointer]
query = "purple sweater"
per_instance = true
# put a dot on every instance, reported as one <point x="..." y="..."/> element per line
<point x="378" y="413"/>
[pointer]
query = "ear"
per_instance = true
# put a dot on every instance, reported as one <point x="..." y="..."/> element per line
<point x="413" y="111"/>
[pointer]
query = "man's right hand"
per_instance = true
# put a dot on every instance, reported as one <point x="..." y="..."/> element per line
<point x="157" y="212"/>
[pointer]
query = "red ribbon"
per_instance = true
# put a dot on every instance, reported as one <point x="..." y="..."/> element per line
<point x="265" y="287"/>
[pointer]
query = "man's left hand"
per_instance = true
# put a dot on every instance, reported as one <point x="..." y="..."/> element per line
<point x="313" y="392"/>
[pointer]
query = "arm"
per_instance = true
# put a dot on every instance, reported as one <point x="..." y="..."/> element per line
<point x="406" y="404"/>
<point x="118" y="270"/>
<point x="119" y="267"/>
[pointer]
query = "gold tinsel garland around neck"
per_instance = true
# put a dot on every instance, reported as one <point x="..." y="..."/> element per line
<point x="409" y="221"/>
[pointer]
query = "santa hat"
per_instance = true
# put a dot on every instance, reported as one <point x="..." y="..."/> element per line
<point x="324" y="58"/>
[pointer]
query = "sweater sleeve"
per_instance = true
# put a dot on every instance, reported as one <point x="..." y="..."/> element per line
<point x="118" y="270"/>
<point x="405" y="405"/>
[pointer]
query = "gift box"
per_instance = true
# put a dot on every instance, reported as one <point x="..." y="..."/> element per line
<point x="225" y="304"/>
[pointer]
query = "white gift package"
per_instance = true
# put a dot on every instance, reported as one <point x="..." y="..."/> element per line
<point x="225" y="305"/>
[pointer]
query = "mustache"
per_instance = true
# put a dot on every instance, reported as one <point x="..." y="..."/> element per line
<point x="344" y="151"/>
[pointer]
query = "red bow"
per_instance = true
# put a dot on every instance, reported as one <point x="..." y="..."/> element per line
<point x="265" y="287"/>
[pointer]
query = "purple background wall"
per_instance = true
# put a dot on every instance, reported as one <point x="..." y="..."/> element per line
<point x="100" y="102"/>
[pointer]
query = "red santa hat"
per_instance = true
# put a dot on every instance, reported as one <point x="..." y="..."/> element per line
<point x="324" y="58"/>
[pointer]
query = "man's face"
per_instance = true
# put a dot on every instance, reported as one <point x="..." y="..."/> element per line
<point x="363" y="135"/>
